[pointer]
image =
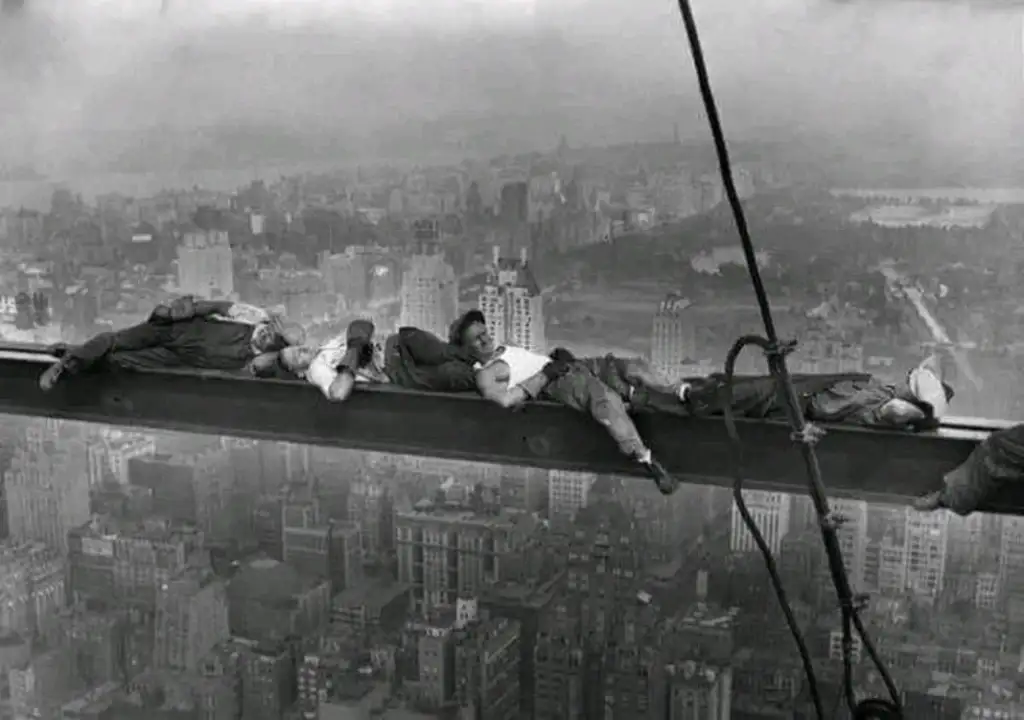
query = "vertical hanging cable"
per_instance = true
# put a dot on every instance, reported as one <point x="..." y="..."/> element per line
<point x="804" y="433"/>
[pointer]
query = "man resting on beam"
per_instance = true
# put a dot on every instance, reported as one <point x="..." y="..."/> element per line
<point x="995" y="463"/>
<point x="916" y="402"/>
<point x="185" y="333"/>
<point x="413" y="359"/>
<point x="417" y="360"/>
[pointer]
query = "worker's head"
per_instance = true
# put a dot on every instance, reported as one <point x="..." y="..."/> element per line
<point x="470" y="332"/>
<point x="296" y="359"/>
<point x="277" y="335"/>
<point x="270" y="365"/>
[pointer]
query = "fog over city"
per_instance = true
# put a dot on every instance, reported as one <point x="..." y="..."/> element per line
<point x="87" y="84"/>
<point x="276" y="275"/>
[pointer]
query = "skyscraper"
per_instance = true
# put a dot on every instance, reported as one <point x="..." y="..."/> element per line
<point x="770" y="511"/>
<point x="430" y="293"/>
<point x="206" y="264"/>
<point x="673" y="337"/>
<point x="926" y="535"/>
<point x="191" y="619"/>
<point x="47" y="486"/>
<point x="568" y="492"/>
<point x="512" y="304"/>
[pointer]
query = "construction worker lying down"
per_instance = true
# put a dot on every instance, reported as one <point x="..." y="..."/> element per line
<point x="411" y="358"/>
<point x="506" y="375"/>
<point x="917" y="402"/>
<point x="185" y="333"/>
<point x="997" y="462"/>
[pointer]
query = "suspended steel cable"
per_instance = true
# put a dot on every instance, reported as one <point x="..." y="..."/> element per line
<point x="804" y="433"/>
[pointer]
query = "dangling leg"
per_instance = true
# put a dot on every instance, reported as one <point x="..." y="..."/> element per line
<point x="581" y="390"/>
<point x="87" y="356"/>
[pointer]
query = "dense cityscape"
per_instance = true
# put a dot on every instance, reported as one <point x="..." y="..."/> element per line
<point x="187" y="576"/>
<point x="171" y="576"/>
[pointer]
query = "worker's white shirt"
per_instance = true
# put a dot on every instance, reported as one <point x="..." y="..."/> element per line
<point x="244" y="314"/>
<point x="522" y="364"/>
<point x="323" y="371"/>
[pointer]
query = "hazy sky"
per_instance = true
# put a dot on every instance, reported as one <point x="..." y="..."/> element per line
<point x="72" y="72"/>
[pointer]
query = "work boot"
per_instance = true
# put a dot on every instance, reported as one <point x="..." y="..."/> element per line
<point x="665" y="482"/>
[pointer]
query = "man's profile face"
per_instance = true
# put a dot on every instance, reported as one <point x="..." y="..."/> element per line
<point x="297" y="358"/>
<point x="478" y="341"/>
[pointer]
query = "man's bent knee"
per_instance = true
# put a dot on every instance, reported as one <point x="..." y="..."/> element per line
<point x="611" y="412"/>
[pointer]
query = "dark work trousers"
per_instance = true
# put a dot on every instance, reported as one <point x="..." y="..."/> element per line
<point x="197" y="343"/>
<point x="418" y="360"/>
<point x="142" y="346"/>
<point x="603" y="387"/>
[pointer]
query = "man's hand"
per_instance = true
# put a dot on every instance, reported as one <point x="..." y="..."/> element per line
<point x="555" y="370"/>
<point x="358" y="345"/>
<point x="560" y="354"/>
<point x="177" y="310"/>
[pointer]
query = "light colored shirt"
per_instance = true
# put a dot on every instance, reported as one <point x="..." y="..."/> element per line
<point x="244" y="314"/>
<point x="522" y="364"/>
<point x="323" y="371"/>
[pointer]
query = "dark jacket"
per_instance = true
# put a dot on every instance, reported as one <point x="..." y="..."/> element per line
<point x="174" y="336"/>
<point x="993" y="465"/>
<point x="418" y="360"/>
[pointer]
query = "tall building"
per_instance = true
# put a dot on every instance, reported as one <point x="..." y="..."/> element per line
<point x="852" y="534"/>
<point x="270" y="602"/>
<point x="770" y="511"/>
<point x="318" y="547"/>
<point x="445" y="552"/>
<point x="487" y="657"/>
<point x="216" y="688"/>
<point x="926" y="536"/>
<point x="512" y="303"/>
<point x="430" y="679"/>
<point x="32" y="591"/>
<point x="40" y="687"/>
<point x="194" y="487"/>
<point x="514" y="215"/>
<point x="699" y="691"/>
<point x="95" y="640"/>
<point x="108" y="458"/>
<point x="673" y="337"/>
<point x="267" y="675"/>
<point x="47" y="487"/>
<point x="430" y="294"/>
<point x="191" y="619"/>
<point x="595" y="654"/>
<point x="206" y="264"/>
<point x="122" y="562"/>
<point x="568" y="492"/>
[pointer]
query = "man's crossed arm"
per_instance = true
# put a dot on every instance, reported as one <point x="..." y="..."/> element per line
<point x="492" y="383"/>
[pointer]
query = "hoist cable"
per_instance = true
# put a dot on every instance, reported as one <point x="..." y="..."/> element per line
<point x="805" y="434"/>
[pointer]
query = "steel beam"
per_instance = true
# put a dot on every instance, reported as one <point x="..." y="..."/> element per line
<point x="856" y="462"/>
